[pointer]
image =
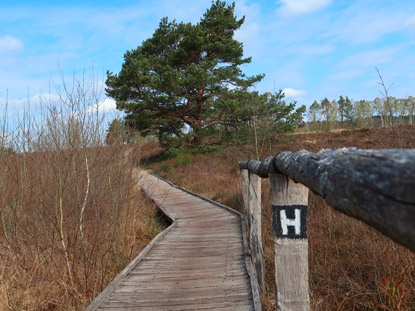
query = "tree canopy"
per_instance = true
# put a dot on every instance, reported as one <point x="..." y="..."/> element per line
<point x="185" y="78"/>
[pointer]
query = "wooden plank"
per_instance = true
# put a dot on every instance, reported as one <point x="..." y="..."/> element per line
<point x="190" y="254"/>
<point x="187" y="243"/>
<point x="188" y="275"/>
<point x="134" y="280"/>
<point x="165" y="249"/>
<point x="174" y="292"/>
<point x="131" y="301"/>
<point x="186" y="263"/>
<point x="235" y="306"/>
<point x="199" y="231"/>
<point x="196" y="251"/>
<point x="189" y="270"/>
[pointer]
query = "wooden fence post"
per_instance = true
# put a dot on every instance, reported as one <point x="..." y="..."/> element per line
<point x="251" y="185"/>
<point x="289" y="207"/>
<point x="245" y="193"/>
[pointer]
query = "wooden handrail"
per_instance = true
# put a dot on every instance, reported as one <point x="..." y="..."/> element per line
<point x="374" y="186"/>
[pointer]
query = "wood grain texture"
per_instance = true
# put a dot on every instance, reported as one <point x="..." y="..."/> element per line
<point x="291" y="255"/>
<point x="245" y="191"/>
<point x="200" y="264"/>
<point x="255" y="228"/>
<point x="262" y="169"/>
<point x="374" y="186"/>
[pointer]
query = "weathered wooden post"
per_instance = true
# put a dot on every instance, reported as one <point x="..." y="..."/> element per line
<point x="289" y="207"/>
<point x="251" y="187"/>
<point x="245" y="191"/>
<point x="255" y="229"/>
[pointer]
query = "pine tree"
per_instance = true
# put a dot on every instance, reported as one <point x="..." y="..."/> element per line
<point x="345" y="108"/>
<point x="348" y="110"/>
<point x="341" y="104"/>
<point x="184" y="77"/>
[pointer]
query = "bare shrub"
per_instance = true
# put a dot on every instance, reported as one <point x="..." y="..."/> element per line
<point x="68" y="221"/>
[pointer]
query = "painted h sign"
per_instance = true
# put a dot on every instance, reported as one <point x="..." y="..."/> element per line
<point x="290" y="221"/>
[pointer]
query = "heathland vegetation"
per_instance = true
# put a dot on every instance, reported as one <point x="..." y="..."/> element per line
<point x="352" y="267"/>
<point x="71" y="216"/>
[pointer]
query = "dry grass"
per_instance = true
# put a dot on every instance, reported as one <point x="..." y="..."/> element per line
<point x="352" y="267"/>
<point x="71" y="215"/>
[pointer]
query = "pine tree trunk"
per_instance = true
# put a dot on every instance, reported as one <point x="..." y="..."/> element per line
<point x="198" y="135"/>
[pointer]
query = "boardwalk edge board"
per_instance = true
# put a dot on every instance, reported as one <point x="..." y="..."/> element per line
<point x="248" y="260"/>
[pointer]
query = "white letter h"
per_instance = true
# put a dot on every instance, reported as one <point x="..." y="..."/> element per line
<point x="296" y="222"/>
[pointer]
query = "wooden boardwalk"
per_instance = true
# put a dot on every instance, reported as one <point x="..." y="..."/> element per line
<point x="199" y="262"/>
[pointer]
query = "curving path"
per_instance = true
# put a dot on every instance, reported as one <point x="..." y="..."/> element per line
<point x="198" y="263"/>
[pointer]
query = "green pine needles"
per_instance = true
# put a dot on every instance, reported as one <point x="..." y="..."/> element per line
<point x="182" y="82"/>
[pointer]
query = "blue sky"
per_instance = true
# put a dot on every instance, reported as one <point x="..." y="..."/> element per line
<point x="310" y="48"/>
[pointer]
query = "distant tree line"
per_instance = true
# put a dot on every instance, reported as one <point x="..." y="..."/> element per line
<point x="347" y="113"/>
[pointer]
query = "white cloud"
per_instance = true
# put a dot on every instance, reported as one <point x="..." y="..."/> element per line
<point x="301" y="7"/>
<point x="293" y="93"/>
<point x="32" y="101"/>
<point x="9" y="44"/>
<point x="106" y="106"/>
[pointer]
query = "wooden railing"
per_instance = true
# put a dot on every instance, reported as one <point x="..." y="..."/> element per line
<point x="374" y="186"/>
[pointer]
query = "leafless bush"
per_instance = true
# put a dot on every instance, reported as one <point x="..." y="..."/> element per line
<point x="66" y="204"/>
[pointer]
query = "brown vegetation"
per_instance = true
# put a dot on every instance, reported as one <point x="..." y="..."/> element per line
<point x="352" y="267"/>
<point x="59" y="246"/>
<point x="71" y="216"/>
